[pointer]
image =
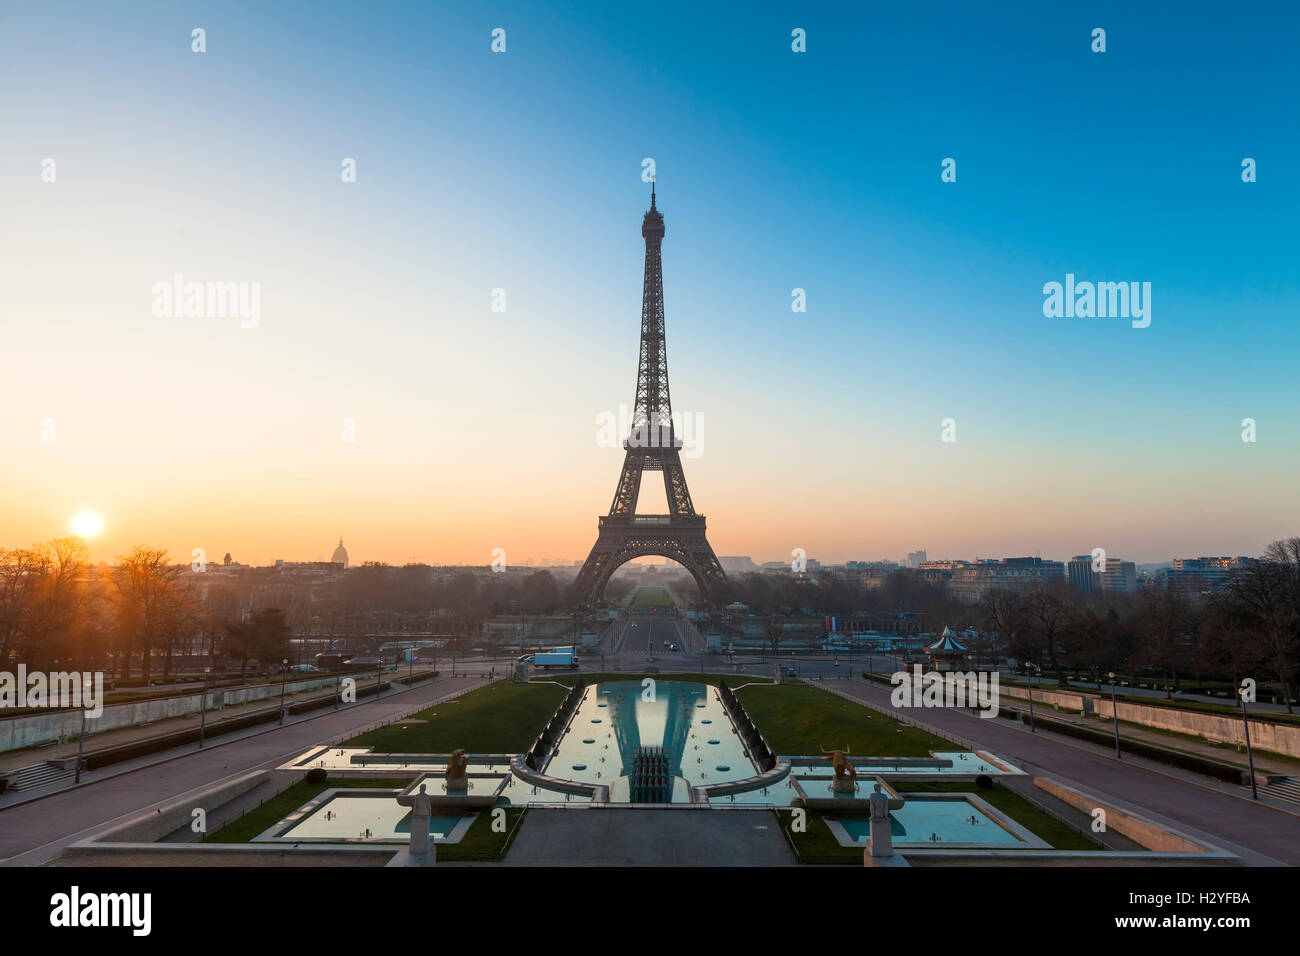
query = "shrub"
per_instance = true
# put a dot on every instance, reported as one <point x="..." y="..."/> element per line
<point x="984" y="781"/>
<point x="316" y="775"/>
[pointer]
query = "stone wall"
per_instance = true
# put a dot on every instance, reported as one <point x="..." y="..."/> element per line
<point x="1219" y="728"/>
<point x="1279" y="738"/>
<point x="1140" y="830"/>
<point x="152" y="826"/>
<point x="32" y="730"/>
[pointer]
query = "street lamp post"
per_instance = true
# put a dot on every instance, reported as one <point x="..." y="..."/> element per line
<point x="1250" y="755"/>
<point x="337" y="681"/>
<point x="81" y="744"/>
<point x="1114" y="712"/>
<point x="203" y="706"/>
<point x="1030" y="667"/>
<point x="284" y="676"/>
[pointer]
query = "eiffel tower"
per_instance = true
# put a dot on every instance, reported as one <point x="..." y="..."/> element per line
<point x="652" y="446"/>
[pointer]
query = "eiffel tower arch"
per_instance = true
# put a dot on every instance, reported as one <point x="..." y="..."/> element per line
<point x="653" y="445"/>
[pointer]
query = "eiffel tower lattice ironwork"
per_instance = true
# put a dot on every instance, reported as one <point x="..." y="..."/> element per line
<point x="653" y="445"/>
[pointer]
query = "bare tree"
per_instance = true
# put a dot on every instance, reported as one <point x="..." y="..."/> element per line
<point x="1002" y="612"/>
<point x="1049" y="617"/>
<point x="1264" y="599"/>
<point x="1167" y="621"/>
<point x="40" y="599"/>
<point x="149" y="603"/>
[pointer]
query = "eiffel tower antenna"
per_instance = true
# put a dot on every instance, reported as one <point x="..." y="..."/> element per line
<point x="653" y="445"/>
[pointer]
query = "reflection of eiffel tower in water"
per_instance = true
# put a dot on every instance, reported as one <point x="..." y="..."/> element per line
<point x="652" y="446"/>
<point x="624" y="697"/>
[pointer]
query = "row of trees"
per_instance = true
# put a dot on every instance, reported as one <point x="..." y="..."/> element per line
<point x="57" y="612"/>
<point x="144" y="611"/>
<point x="1248" y="627"/>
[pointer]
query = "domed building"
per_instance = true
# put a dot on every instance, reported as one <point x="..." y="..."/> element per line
<point x="340" y="555"/>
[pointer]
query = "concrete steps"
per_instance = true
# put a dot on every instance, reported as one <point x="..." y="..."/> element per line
<point x="1288" y="789"/>
<point x="39" y="775"/>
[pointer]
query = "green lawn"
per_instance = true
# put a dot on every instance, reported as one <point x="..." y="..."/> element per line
<point x="504" y="717"/>
<point x="816" y="844"/>
<point x="799" y="720"/>
<point x="652" y="597"/>
<point x="481" y="844"/>
<point x="262" y="818"/>
<point x="499" y="718"/>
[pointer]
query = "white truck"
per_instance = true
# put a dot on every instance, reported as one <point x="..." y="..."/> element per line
<point x="548" y="659"/>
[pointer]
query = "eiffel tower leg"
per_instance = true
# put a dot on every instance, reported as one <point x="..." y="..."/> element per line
<point x="585" y="592"/>
<point x="629" y="483"/>
<point x="679" y="496"/>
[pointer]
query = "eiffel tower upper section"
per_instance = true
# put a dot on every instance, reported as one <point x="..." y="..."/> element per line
<point x="653" y="444"/>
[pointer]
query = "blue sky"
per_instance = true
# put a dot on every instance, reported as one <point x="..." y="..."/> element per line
<point x="776" y="170"/>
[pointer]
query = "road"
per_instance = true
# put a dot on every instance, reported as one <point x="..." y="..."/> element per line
<point x="32" y="833"/>
<point x="644" y="634"/>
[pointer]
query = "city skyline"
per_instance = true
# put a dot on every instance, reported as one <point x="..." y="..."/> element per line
<point x="924" y="298"/>
<point x="761" y="561"/>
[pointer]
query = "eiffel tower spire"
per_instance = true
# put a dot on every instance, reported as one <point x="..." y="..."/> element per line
<point x="653" y="445"/>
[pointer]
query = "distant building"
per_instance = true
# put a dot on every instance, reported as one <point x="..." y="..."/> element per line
<point x="737" y="564"/>
<point x="1082" y="577"/>
<point x="973" y="581"/>
<point x="1119" y="575"/>
<point x="915" y="559"/>
<point x="937" y="572"/>
<point x="1203" y="574"/>
<point x="340" y="555"/>
<point x="872" y="566"/>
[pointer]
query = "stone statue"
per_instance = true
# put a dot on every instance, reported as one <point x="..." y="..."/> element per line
<point x="882" y="836"/>
<point x="421" y="804"/>
<point x="879" y="804"/>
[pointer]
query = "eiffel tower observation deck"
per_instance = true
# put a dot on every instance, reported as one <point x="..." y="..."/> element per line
<point x="652" y="445"/>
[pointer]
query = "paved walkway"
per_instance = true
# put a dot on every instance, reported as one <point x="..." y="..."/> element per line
<point x="635" y="837"/>
<point x="35" y="832"/>
<point x="1261" y="833"/>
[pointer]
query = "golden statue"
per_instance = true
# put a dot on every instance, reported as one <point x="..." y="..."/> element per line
<point x="843" y="769"/>
<point x="456" y="765"/>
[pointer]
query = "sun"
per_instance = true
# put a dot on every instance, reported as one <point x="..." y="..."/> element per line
<point x="87" y="524"/>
